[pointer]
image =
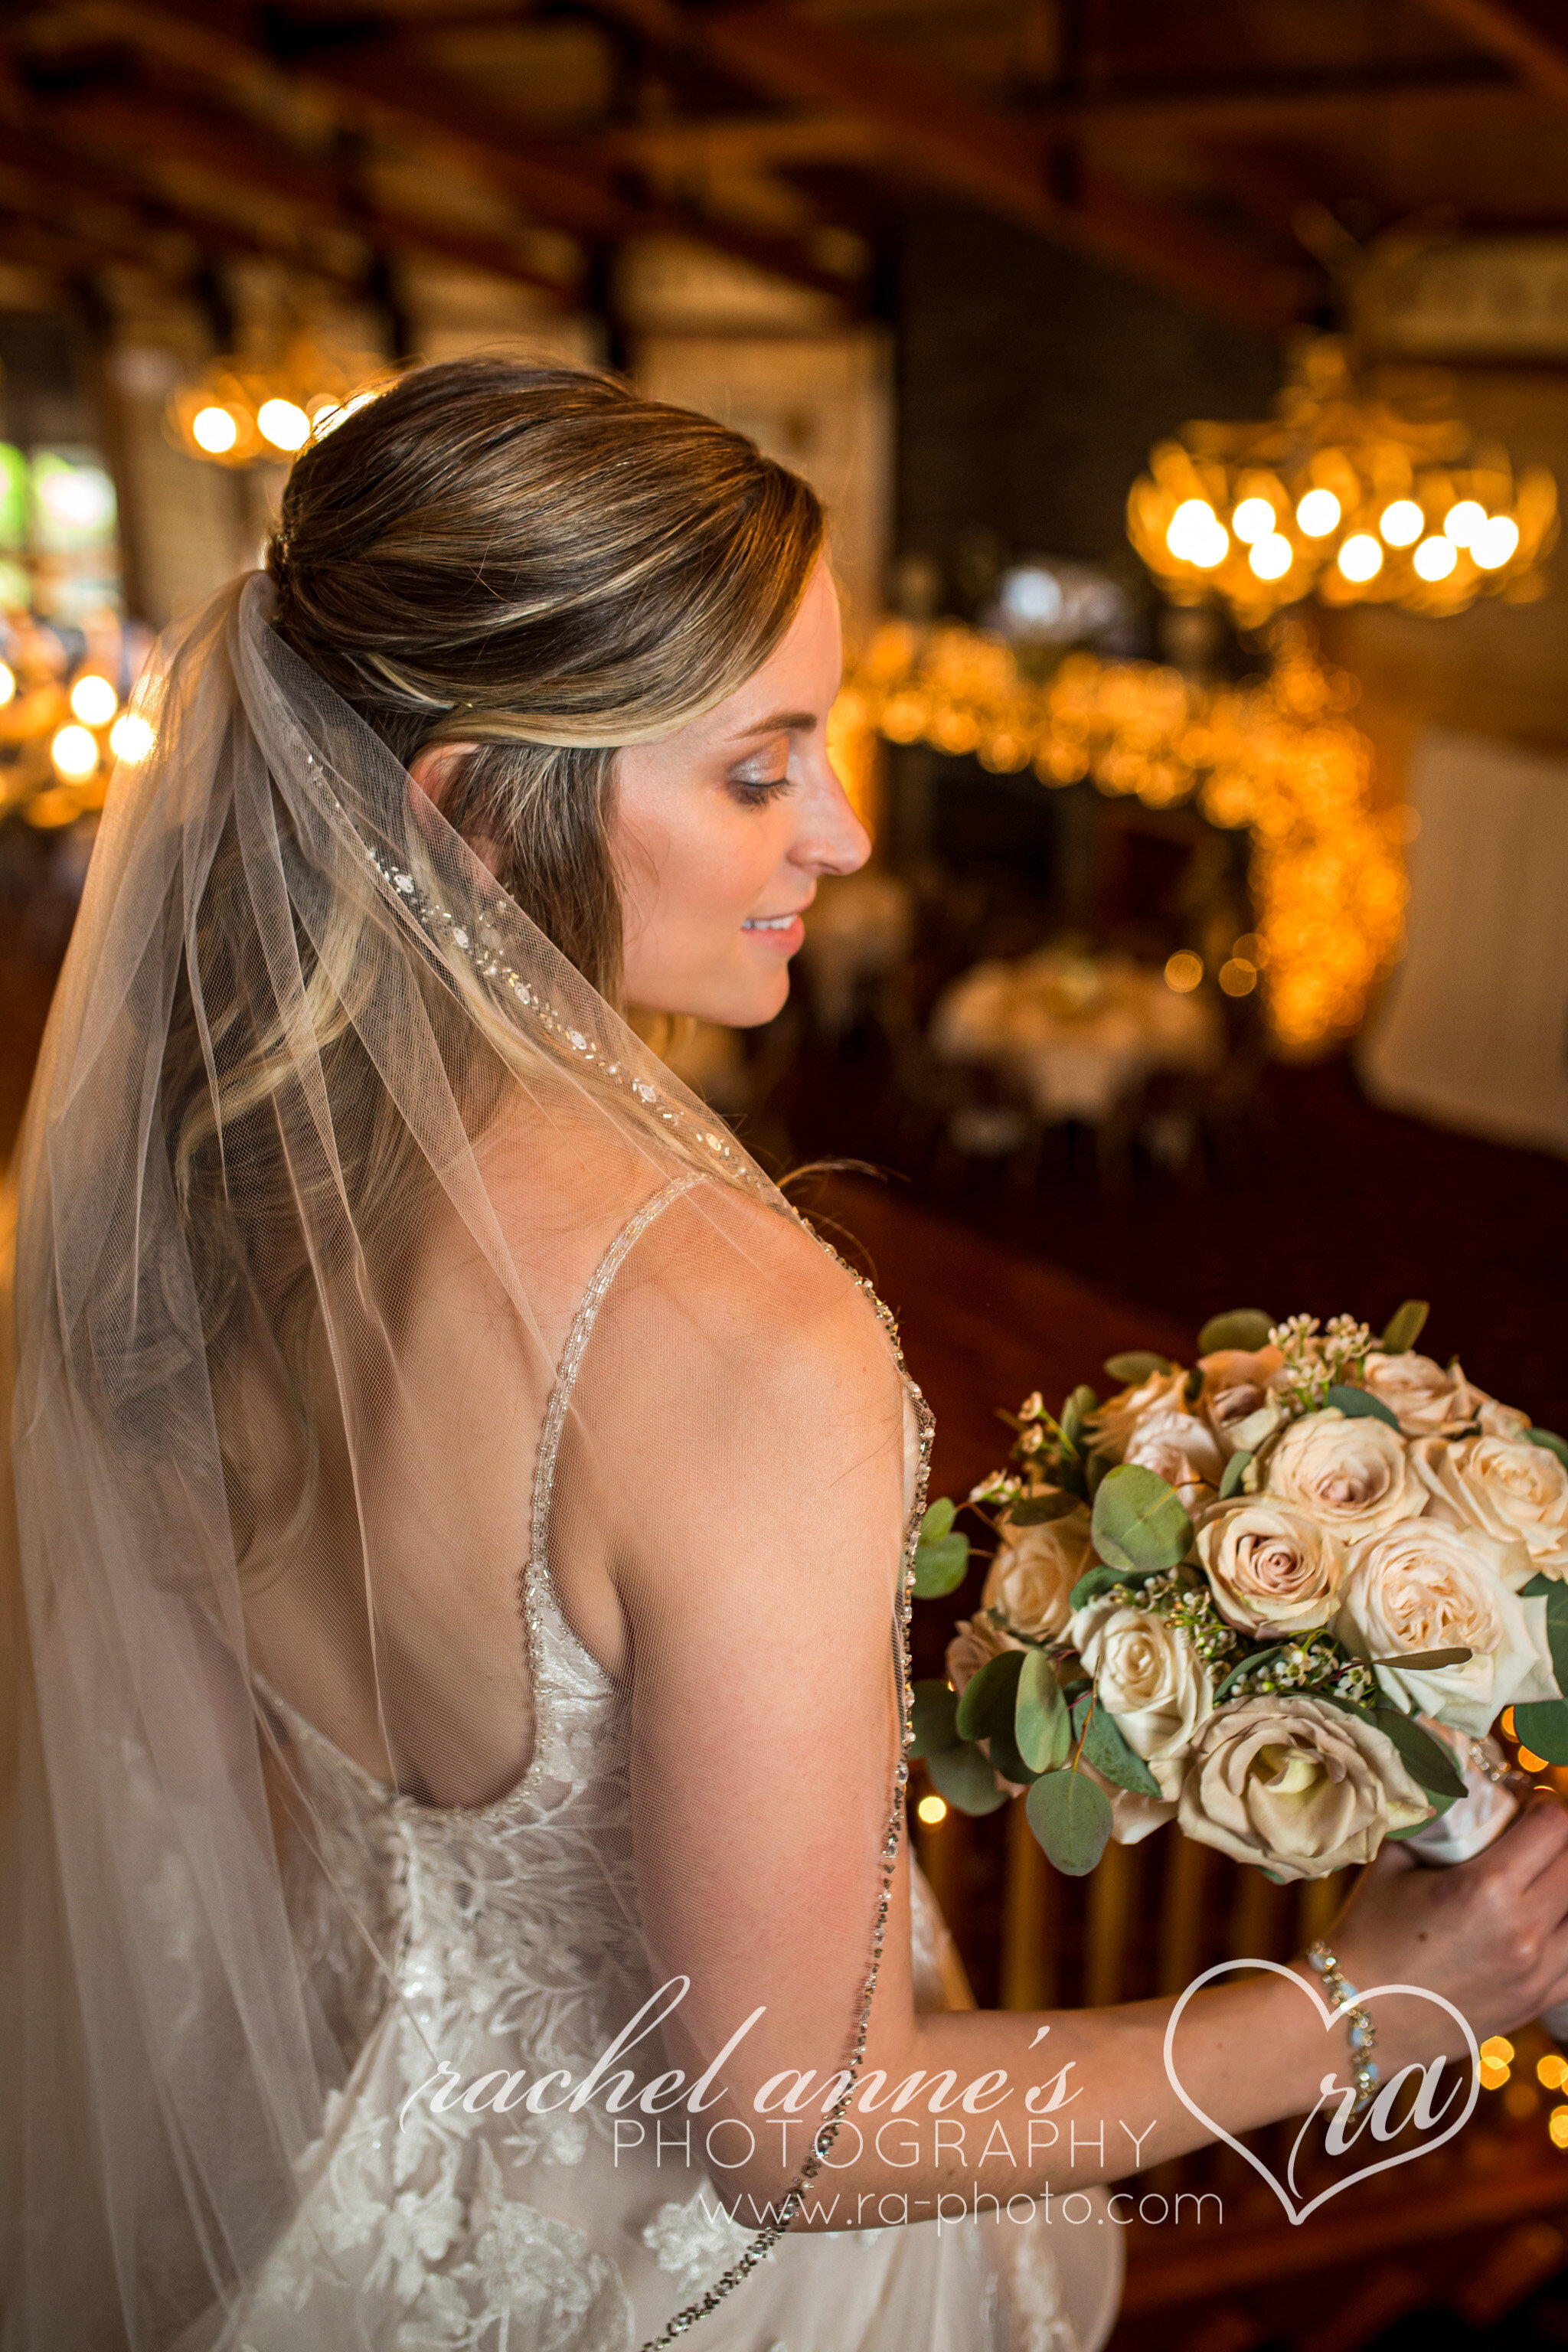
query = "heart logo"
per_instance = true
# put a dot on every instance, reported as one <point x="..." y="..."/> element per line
<point x="1379" y="2117"/>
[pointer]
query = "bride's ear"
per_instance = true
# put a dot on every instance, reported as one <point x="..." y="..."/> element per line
<point x="434" y="771"/>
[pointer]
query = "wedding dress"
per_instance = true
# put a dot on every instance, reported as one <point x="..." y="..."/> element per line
<point x="323" y="1876"/>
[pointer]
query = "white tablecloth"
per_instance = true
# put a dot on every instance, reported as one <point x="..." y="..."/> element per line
<point x="1077" y="1037"/>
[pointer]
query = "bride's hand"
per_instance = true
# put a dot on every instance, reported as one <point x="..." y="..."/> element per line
<point x="1490" y="1935"/>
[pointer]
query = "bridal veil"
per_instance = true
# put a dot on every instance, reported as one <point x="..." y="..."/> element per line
<point x="326" y="1149"/>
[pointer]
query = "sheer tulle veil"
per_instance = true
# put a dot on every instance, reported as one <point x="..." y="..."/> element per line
<point x="325" y="1148"/>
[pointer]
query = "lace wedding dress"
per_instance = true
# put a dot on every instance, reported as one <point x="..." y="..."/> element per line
<point x="518" y="1951"/>
<point x="364" y="1256"/>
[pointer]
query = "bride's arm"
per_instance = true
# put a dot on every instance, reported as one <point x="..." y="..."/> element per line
<point x="753" y="1541"/>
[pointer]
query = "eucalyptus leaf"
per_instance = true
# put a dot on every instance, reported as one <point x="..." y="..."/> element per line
<point x="1360" y="1404"/>
<point x="964" y="1776"/>
<point x="1139" y="1521"/>
<point x="938" y="1521"/>
<point x="1555" y="1595"/>
<point x="932" y="1717"/>
<point x="1234" y="1471"/>
<point x="1426" y="1760"/>
<point x="1541" y="1725"/>
<point x="989" y="1698"/>
<point x="1136" y="1365"/>
<point x="1105" y="1747"/>
<point x="1007" y="1757"/>
<point x="1076" y="1412"/>
<point x="1095" y="1471"/>
<point x="1038" y="1509"/>
<point x="1098" y="1579"/>
<point x="1246" y="1327"/>
<point x="1552" y="1442"/>
<point x="1191" y="1388"/>
<point x="1071" y="1818"/>
<point x="1042" y="1727"/>
<point x="941" y="1567"/>
<point x="1403" y="1327"/>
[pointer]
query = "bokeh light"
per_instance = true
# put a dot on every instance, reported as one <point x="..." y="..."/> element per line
<point x="1361" y="558"/>
<point x="1435" y="559"/>
<point x="1402" y="522"/>
<point x="1183" y="971"/>
<point x="93" y="700"/>
<point x="215" y="429"/>
<point x="74" y="754"/>
<point x="1319" y="513"/>
<point x="284" y="423"/>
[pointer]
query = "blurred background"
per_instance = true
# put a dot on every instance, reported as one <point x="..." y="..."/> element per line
<point x="1190" y="391"/>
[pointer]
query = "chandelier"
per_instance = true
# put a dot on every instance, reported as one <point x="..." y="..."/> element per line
<point x="244" y="411"/>
<point x="63" y="725"/>
<point x="1277" y="756"/>
<point x="1346" y="495"/>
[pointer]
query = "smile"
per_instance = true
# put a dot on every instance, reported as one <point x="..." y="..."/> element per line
<point x="769" y="923"/>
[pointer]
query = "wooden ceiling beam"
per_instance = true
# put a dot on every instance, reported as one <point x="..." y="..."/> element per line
<point x="1538" y="55"/>
<point x="387" y="84"/>
<point x="993" y="159"/>
<point x="147" y="129"/>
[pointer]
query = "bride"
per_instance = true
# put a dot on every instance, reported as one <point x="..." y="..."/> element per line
<point x="456" y="1885"/>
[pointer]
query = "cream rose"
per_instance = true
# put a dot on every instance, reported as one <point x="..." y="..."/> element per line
<point x="1149" y="1677"/>
<point x="1505" y="1486"/>
<point x="1352" y="1474"/>
<point x="1030" y="1577"/>
<point x="1425" y="1585"/>
<point x="1272" y="1570"/>
<point x="1295" y="1784"/>
<point x="1433" y="1402"/>
<point x="1237" y="1383"/>
<point x="1111" y="1426"/>
<point x="1181" y="1450"/>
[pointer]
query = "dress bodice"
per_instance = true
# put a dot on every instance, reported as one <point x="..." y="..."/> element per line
<point x="517" y="1950"/>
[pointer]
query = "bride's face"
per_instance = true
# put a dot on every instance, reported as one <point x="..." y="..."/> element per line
<point x="721" y="830"/>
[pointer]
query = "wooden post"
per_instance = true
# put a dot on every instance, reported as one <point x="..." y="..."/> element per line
<point x="1030" y="1919"/>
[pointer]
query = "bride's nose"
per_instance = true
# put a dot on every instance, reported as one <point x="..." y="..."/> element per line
<point x="832" y="839"/>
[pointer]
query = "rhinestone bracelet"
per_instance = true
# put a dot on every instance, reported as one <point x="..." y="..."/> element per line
<point x="1363" y="2031"/>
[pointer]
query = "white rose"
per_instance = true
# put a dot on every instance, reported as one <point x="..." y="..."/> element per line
<point x="1181" y="1450"/>
<point x="1111" y="1425"/>
<point x="1352" y="1474"/>
<point x="1149" y="1676"/>
<point x="1272" y="1570"/>
<point x="1295" y="1784"/>
<point x="1425" y="1585"/>
<point x="1030" y="1577"/>
<point x="1505" y="1486"/>
<point x="1432" y="1401"/>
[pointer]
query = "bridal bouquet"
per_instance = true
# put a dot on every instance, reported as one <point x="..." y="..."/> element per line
<point x="1277" y="1596"/>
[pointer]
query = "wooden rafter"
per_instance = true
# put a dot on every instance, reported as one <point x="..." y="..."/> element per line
<point x="387" y="84"/>
<point x="229" y="153"/>
<point x="1538" y="55"/>
<point x="993" y="159"/>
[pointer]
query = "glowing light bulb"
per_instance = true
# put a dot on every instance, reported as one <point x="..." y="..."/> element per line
<point x="1557" y="2125"/>
<point x="1253" y="520"/>
<point x="7" y="684"/>
<point x="1361" y="558"/>
<point x="1461" y="522"/>
<point x="73" y="752"/>
<point x="93" y="700"/>
<point x="1318" y="513"/>
<point x="1271" y="558"/>
<point x="1495" y="543"/>
<point x="1402" y="522"/>
<point x="214" y="430"/>
<point x="1551" y="2070"/>
<point x="131" y="738"/>
<point x="1183" y="971"/>
<point x="286" y="425"/>
<point x="932" y="1811"/>
<point x="1435" y="559"/>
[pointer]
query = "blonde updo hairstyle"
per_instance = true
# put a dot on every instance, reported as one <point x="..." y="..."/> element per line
<point x="539" y="561"/>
